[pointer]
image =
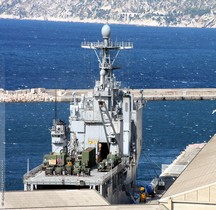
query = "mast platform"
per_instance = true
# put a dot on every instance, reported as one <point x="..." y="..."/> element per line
<point x="111" y="45"/>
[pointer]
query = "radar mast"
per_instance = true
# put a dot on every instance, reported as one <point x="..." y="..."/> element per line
<point x="102" y="51"/>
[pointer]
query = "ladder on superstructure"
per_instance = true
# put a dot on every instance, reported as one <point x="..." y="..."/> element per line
<point x="107" y="122"/>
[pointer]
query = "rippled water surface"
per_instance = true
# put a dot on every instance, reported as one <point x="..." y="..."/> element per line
<point x="48" y="54"/>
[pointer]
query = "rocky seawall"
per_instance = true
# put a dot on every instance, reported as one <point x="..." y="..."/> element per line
<point x="41" y="95"/>
<point x="28" y="95"/>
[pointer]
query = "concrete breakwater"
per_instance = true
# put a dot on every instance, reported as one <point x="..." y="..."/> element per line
<point x="68" y="95"/>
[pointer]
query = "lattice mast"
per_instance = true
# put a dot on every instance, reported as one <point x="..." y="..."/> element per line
<point x="102" y="51"/>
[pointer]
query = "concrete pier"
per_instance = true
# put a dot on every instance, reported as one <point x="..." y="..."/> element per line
<point x="62" y="95"/>
<point x="179" y="94"/>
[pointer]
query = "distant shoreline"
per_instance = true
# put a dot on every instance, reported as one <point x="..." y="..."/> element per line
<point x="148" y="23"/>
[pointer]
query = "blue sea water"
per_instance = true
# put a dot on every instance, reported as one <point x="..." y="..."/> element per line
<point x="48" y="54"/>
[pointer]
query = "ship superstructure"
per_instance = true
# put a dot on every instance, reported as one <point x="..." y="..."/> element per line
<point x="105" y="129"/>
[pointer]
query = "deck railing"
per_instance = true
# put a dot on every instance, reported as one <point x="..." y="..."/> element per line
<point x="32" y="172"/>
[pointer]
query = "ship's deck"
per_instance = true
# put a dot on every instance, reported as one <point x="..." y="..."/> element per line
<point x="38" y="177"/>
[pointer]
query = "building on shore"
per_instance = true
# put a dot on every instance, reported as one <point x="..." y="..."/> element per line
<point x="195" y="188"/>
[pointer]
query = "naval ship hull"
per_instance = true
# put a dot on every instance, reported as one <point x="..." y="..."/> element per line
<point x="105" y="136"/>
<point x="116" y="186"/>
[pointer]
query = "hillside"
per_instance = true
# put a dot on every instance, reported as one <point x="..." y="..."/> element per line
<point x="180" y="13"/>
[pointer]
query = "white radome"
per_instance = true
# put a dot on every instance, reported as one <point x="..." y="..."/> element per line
<point x="106" y="31"/>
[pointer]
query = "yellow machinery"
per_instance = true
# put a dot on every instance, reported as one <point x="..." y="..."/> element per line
<point x="142" y="195"/>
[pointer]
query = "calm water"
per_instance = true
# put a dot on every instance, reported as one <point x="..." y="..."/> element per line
<point x="48" y="54"/>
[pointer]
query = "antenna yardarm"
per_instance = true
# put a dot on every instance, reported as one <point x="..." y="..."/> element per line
<point x="104" y="58"/>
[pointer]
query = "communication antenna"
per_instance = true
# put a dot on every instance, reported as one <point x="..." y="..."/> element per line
<point x="27" y="165"/>
<point x="107" y="17"/>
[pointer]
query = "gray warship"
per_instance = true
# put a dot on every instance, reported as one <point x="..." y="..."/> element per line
<point x="100" y="148"/>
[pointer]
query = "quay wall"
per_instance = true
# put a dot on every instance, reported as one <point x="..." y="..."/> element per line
<point x="68" y="95"/>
